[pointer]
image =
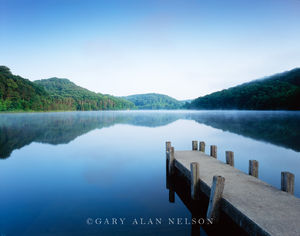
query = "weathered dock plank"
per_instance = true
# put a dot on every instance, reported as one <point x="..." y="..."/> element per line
<point x="256" y="206"/>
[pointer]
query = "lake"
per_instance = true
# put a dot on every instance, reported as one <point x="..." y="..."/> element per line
<point x="65" y="173"/>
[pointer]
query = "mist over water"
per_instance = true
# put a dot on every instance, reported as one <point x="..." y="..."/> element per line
<point x="58" y="169"/>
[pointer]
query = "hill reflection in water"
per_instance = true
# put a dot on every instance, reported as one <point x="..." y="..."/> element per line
<point x="18" y="130"/>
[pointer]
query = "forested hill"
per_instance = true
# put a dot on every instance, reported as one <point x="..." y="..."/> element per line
<point x="70" y="96"/>
<point x="277" y="92"/>
<point x="19" y="94"/>
<point x="151" y="101"/>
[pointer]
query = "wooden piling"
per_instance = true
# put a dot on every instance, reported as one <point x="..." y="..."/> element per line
<point x="229" y="158"/>
<point x="195" y="228"/>
<point x="168" y="146"/>
<point x="195" y="181"/>
<point x="253" y="168"/>
<point x="213" y="151"/>
<point x="213" y="211"/>
<point x="194" y="145"/>
<point x="171" y="161"/>
<point x="287" y="182"/>
<point x="202" y="147"/>
<point x="167" y="174"/>
<point x="171" y="196"/>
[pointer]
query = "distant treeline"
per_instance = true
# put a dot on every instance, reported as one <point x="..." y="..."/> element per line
<point x="19" y="94"/>
<point x="153" y="101"/>
<point x="277" y="92"/>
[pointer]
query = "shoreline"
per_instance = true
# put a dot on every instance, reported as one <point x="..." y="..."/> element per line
<point x="148" y="110"/>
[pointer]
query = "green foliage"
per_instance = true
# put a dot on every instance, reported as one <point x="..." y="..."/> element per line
<point x="69" y="96"/>
<point x="19" y="94"/>
<point x="278" y="92"/>
<point x="153" y="101"/>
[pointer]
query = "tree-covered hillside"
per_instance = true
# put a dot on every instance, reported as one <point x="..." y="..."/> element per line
<point x="69" y="96"/>
<point x="19" y="94"/>
<point x="151" y="101"/>
<point x="277" y="92"/>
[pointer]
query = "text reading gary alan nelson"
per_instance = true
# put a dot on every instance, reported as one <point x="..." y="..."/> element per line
<point x="148" y="221"/>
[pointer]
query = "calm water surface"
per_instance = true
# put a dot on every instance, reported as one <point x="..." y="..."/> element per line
<point x="59" y="169"/>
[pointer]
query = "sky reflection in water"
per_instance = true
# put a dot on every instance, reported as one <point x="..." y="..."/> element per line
<point x="58" y="169"/>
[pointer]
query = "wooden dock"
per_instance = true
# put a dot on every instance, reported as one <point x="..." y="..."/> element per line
<point x="255" y="206"/>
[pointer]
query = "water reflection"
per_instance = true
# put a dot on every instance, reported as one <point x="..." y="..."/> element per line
<point x="19" y="130"/>
<point x="278" y="127"/>
<point x="116" y="167"/>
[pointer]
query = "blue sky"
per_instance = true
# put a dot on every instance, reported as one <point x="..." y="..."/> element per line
<point x="181" y="48"/>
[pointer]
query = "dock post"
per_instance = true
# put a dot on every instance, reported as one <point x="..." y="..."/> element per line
<point x="287" y="182"/>
<point x="202" y="147"/>
<point x="195" y="181"/>
<point x="229" y="158"/>
<point x="171" y="196"/>
<point x="168" y="146"/>
<point x="195" y="228"/>
<point x="253" y="168"/>
<point x="213" y="151"/>
<point x="171" y="161"/>
<point x="194" y="145"/>
<point x="213" y="210"/>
